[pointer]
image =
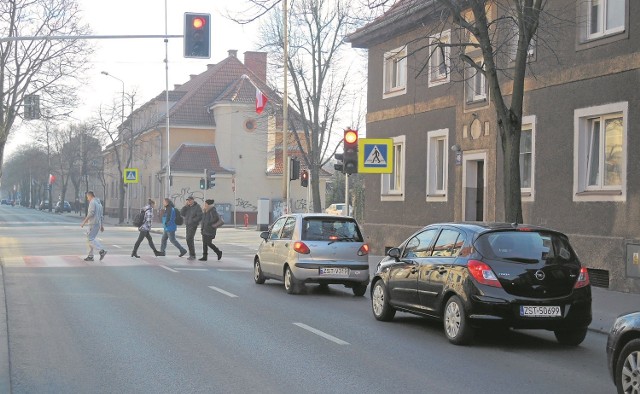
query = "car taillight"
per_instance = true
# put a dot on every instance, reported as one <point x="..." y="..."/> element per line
<point x="483" y="273"/>
<point x="301" y="247"/>
<point x="583" y="279"/>
<point x="364" y="250"/>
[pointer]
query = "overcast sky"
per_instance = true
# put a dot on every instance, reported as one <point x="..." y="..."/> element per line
<point x="139" y="63"/>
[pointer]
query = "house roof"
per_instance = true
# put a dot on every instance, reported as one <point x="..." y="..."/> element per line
<point x="403" y="16"/>
<point x="192" y="157"/>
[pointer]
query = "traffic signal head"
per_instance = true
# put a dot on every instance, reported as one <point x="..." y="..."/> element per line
<point x="304" y="178"/>
<point x="294" y="169"/>
<point x="202" y="184"/>
<point x="211" y="179"/>
<point x="339" y="166"/>
<point x="197" y="35"/>
<point x="350" y="151"/>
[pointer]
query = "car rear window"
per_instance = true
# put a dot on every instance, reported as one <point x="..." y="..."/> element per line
<point x="525" y="246"/>
<point x="330" y="229"/>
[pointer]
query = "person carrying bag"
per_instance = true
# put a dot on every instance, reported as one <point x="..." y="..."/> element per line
<point x="210" y="223"/>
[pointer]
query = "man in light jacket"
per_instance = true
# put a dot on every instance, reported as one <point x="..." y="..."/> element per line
<point x="94" y="220"/>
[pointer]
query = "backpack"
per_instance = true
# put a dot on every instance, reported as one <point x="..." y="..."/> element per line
<point x="179" y="219"/>
<point x="138" y="220"/>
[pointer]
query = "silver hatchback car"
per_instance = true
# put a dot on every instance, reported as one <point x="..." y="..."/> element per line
<point x="313" y="248"/>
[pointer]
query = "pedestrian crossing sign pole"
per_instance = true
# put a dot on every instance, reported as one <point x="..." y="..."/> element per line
<point x="130" y="175"/>
<point x="376" y="155"/>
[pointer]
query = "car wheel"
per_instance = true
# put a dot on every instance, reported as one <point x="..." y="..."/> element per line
<point x="627" y="373"/>
<point x="359" y="290"/>
<point x="456" y="325"/>
<point x="291" y="284"/>
<point x="571" y="337"/>
<point x="380" y="306"/>
<point x="258" y="276"/>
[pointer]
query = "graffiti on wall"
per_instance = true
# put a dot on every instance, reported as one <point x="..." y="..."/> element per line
<point x="180" y="197"/>
<point x="245" y="205"/>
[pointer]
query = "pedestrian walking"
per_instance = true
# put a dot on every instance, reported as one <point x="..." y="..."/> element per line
<point x="210" y="224"/>
<point x="170" y="227"/>
<point x="94" y="220"/>
<point x="144" y="230"/>
<point x="192" y="214"/>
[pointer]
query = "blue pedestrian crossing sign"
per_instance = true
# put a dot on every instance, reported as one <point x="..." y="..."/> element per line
<point x="130" y="175"/>
<point x="375" y="155"/>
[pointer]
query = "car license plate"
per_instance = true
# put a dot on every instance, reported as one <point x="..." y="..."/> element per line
<point x="334" y="271"/>
<point x="540" y="311"/>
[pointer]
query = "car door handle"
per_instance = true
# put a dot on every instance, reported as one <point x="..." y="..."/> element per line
<point x="414" y="270"/>
<point x="441" y="269"/>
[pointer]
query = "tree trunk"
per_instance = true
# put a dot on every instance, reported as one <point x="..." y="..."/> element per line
<point x="122" y="191"/>
<point x="510" y="136"/>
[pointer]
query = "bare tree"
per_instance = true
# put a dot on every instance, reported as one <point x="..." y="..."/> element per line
<point x="317" y="72"/>
<point x="44" y="67"/>
<point x="27" y="173"/>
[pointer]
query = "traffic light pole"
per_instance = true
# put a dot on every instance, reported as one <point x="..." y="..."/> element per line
<point x="346" y="195"/>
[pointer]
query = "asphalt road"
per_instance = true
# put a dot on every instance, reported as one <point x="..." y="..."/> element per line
<point x="165" y="325"/>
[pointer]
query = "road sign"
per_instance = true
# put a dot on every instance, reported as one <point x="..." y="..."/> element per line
<point x="376" y="155"/>
<point x="130" y="175"/>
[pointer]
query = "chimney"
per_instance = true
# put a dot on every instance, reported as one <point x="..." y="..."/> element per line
<point x="233" y="52"/>
<point x="257" y="63"/>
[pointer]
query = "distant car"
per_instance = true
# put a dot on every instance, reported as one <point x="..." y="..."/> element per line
<point x="623" y="353"/>
<point x="63" y="206"/>
<point x="337" y="209"/>
<point x="4" y="202"/>
<point x="44" y="205"/>
<point x="313" y="248"/>
<point x="483" y="275"/>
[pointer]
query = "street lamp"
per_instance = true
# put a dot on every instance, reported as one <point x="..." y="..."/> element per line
<point x="121" y="125"/>
<point x="122" y="82"/>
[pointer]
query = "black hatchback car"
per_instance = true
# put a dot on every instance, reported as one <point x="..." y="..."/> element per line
<point x="623" y="353"/>
<point x="482" y="275"/>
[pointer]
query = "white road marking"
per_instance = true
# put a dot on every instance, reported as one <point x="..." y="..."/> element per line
<point x="192" y="269"/>
<point x="223" y="292"/>
<point x="168" y="269"/>
<point x="322" y="334"/>
<point x="117" y="246"/>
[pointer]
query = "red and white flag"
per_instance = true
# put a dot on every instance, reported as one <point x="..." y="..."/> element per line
<point x="261" y="101"/>
<point x="52" y="179"/>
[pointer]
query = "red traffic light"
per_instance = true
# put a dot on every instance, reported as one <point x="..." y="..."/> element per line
<point x="198" y="23"/>
<point x="350" y="136"/>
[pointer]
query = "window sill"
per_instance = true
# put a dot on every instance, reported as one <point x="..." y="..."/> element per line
<point x="392" y="197"/>
<point x="394" y="92"/>
<point x="600" y="196"/>
<point x="599" y="193"/>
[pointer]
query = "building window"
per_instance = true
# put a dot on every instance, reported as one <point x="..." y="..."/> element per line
<point x="395" y="72"/>
<point x="439" y="63"/>
<point x="600" y="153"/>
<point x="476" y="85"/>
<point x="437" y="159"/>
<point x="527" y="157"/>
<point x="605" y="17"/>
<point x="393" y="183"/>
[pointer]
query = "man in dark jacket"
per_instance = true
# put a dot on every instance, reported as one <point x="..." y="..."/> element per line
<point x="192" y="214"/>
<point x="208" y="229"/>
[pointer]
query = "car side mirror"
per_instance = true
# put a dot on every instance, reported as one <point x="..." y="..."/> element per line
<point x="395" y="253"/>
<point x="264" y="235"/>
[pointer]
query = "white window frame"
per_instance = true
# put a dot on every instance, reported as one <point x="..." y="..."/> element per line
<point x="435" y="161"/>
<point x="397" y="192"/>
<point x="394" y="59"/>
<point x="601" y="18"/>
<point x="471" y="95"/>
<point x="529" y="123"/>
<point x="435" y="60"/>
<point x="581" y="121"/>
